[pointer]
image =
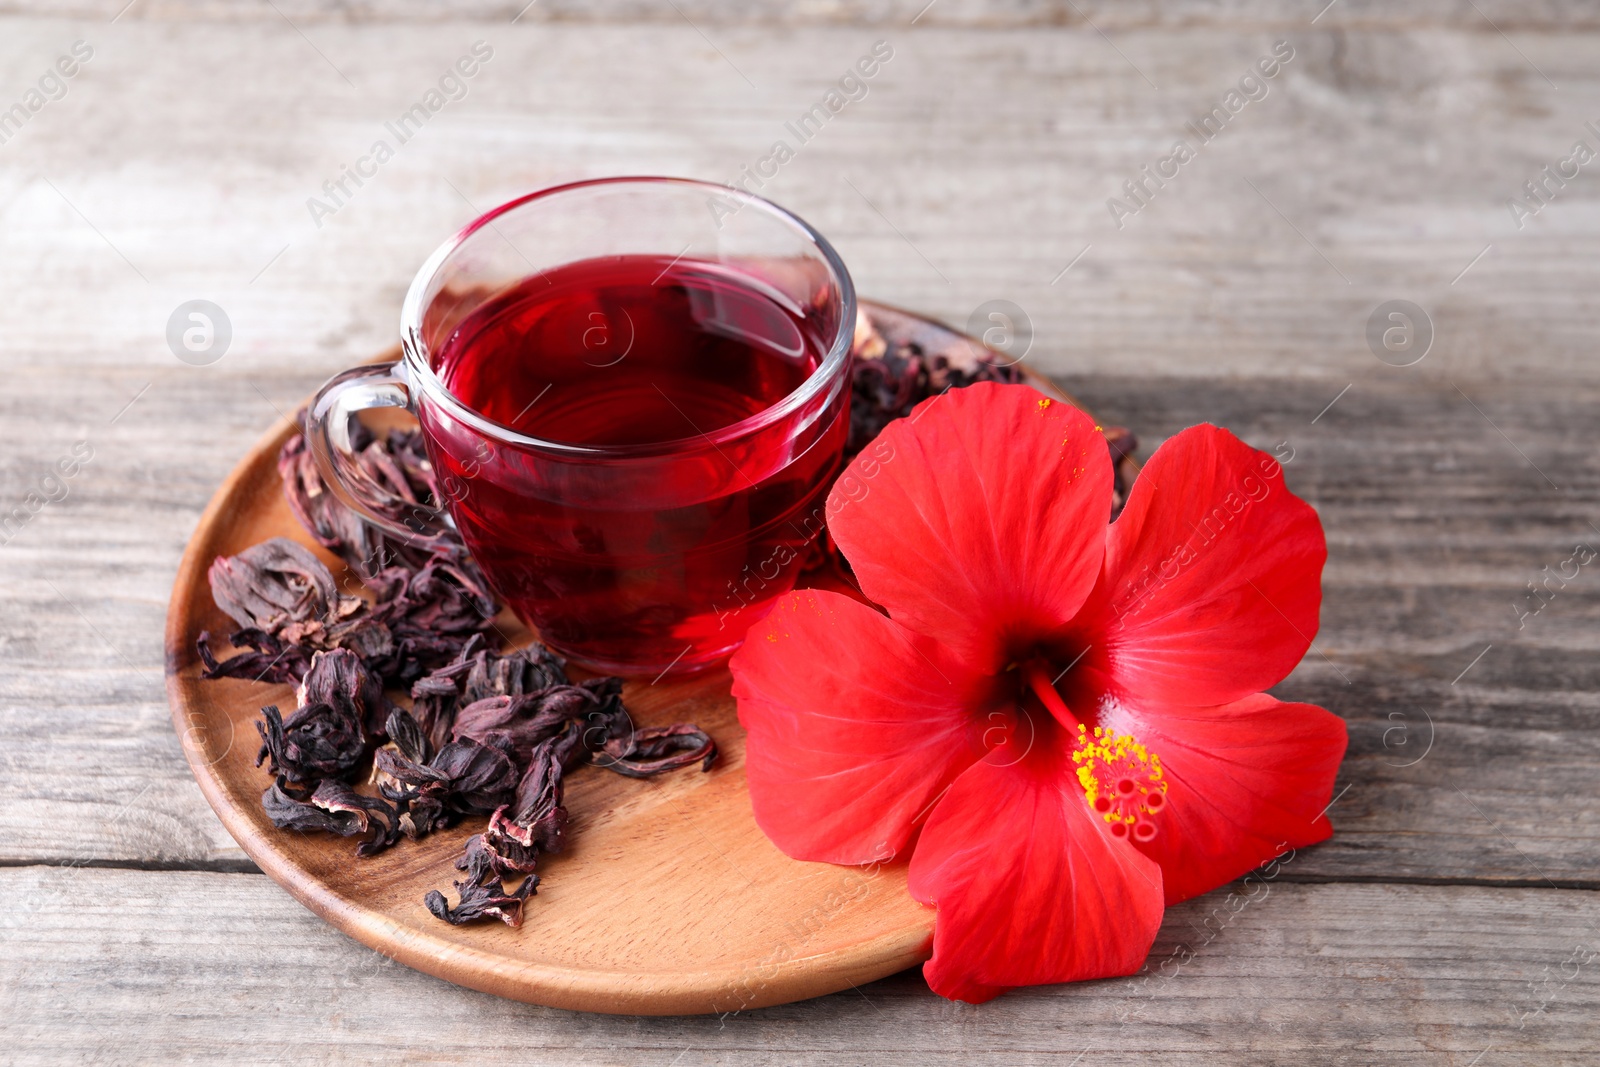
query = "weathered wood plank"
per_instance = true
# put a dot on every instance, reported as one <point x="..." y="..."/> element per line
<point x="140" y="967"/>
<point x="1122" y="15"/>
<point x="993" y="153"/>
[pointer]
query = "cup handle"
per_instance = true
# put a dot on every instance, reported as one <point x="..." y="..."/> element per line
<point x="327" y="429"/>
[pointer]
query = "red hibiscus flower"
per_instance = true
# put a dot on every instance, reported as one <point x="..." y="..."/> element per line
<point x="1065" y="716"/>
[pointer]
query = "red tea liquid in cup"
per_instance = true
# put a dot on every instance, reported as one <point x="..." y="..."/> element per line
<point x="636" y="446"/>
<point x="638" y="351"/>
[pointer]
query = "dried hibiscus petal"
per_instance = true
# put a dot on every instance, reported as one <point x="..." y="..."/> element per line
<point x="314" y="743"/>
<point x="433" y="705"/>
<point x="480" y="776"/>
<point x="273" y="584"/>
<point x="340" y="677"/>
<point x="323" y="515"/>
<point x="525" y="721"/>
<point x="435" y="696"/>
<point x="407" y="736"/>
<point x="608" y="719"/>
<point x="464" y="777"/>
<point x="335" y="797"/>
<point x="272" y="660"/>
<point x="397" y="465"/>
<point x="482" y="893"/>
<point x="446" y="596"/>
<point x="288" y="813"/>
<point x="433" y="614"/>
<point x="901" y="360"/>
<point x="656" y="749"/>
<point x="279" y="590"/>
<point x="536" y="822"/>
<point x="527" y="670"/>
<point x="569" y="748"/>
<point x="488" y="734"/>
<point x="326" y="737"/>
<point x="335" y="808"/>
<point x="478" y="674"/>
<point x="506" y="855"/>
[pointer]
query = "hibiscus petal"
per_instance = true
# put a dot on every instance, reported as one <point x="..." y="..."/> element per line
<point x="979" y="519"/>
<point x="856" y="725"/>
<point x="1246" y="782"/>
<point x="1212" y="578"/>
<point x="1030" y="885"/>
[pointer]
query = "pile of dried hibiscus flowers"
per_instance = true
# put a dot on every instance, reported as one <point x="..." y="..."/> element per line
<point x="488" y="734"/>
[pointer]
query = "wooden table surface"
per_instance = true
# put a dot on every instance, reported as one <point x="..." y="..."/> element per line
<point x="1454" y="918"/>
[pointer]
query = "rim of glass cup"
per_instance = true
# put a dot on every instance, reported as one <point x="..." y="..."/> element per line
<point x="420" y="370"/>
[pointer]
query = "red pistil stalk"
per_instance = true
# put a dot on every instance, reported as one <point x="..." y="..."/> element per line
<point x="1037" y="674"/>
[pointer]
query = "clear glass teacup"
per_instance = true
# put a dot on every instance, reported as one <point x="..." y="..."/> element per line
<point x="635" y="394"/>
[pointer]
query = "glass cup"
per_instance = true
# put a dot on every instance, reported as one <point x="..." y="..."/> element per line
<point x="652" y="549"/>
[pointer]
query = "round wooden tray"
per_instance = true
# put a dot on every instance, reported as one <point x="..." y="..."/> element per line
<point x="668" y="899"/>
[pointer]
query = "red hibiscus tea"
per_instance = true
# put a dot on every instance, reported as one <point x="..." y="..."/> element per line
<point x="635" y="393"/>
<point x="665" y="551"/>
<point x="635" y="350"/>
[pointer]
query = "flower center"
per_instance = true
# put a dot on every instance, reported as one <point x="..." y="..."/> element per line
<point x="1122" y="780"/>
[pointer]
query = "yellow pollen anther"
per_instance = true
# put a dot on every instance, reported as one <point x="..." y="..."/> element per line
<point x="1122" y="781"/>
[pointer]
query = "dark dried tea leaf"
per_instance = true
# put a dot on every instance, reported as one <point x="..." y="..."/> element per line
<point x="337" y="809"/>
<point x="655" y="749"/>
<point x="527" y="670"/>
<point x="274" y="585"/>
<point x="327" y="736"/>
<point x="433" y="613"/>
<point x="482" y="893"/>
<point x="397" y="467"/>
<point x="271" y="661"/>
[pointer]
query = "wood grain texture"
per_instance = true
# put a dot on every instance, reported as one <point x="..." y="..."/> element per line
<point x="992" y="156"/>
<point x="190" y="967"/>
<point x="991" y="143"/>
<point x="1118" y="15"/>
